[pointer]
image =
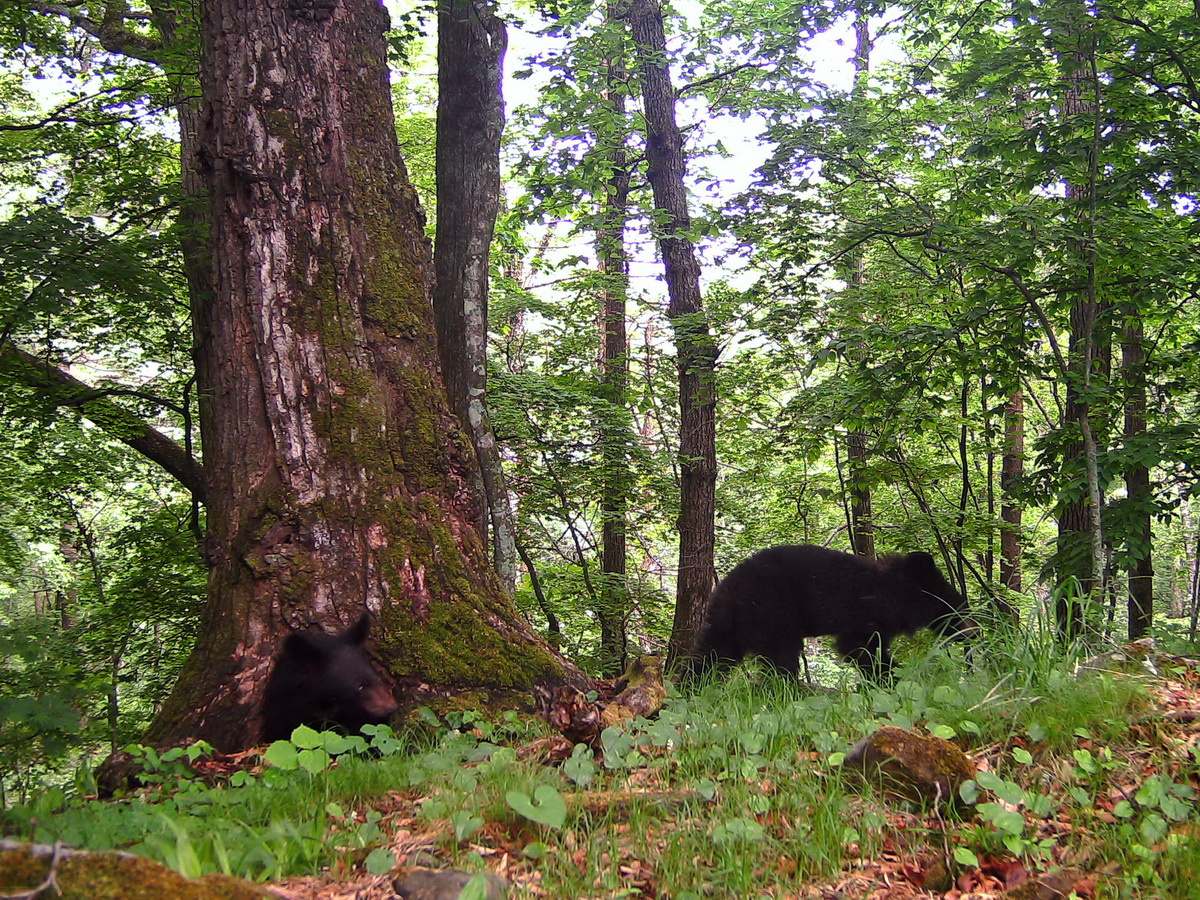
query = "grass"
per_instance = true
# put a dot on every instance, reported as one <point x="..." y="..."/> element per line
<point x="734" y="790"/>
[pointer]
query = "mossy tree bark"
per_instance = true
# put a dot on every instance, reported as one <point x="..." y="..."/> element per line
<point x="337" y="479"/>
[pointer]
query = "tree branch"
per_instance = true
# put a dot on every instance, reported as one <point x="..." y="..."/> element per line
<point x="110" y="31"/>
<point x="1175" y="57"/>
<point x="59" y="388"/>
<point x="716" y="76"/>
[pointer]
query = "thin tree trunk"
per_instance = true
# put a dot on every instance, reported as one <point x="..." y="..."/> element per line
<point x="1012" y="467"/>
<point x="616" y="426"/>
<point x="862" y="519"/>
<point x="1195" y="591"/>
<point x="1081" y="536"/>
<point x="470" y="121"/>
<point x="1137" y="478"/>
<point x="987" y="424"/>
<point x="696" y="353"/>
<point x="964" y="493"/>
<point x="553" y="627"/>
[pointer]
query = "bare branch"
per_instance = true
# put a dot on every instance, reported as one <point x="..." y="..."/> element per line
<point x="716" y="76"/>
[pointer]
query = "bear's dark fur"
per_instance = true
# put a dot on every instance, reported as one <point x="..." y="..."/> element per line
<point x="769" y="603"/>
<point x="324" y="680"/>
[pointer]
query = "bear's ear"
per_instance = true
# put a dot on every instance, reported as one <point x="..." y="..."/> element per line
<point x="357" y="633"/>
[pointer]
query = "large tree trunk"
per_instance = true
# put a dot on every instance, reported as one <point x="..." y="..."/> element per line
<point x="696" y="353"/>
<point x="616" y="427"/>
<point x="337" y="479"/>
<point x="470" y="120"/>
<point x="1137" y="478"/>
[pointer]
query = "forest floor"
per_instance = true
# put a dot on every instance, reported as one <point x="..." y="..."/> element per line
<point x="1061" y="846"/>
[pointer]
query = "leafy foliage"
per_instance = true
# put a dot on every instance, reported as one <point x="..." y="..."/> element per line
<point x="714" y="794"/>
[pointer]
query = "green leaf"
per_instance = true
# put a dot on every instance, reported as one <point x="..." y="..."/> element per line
<point x="546" y="807"/>
<point x="282" y="755"/>
<point x="579" y="767"/>
<point x="306" y="738"/>
<point x="379" y="861"/>
<point x="736" y="830"/>
<point x="1087" y="762"/>
<point x="968" y="791"/>
<point x="1041" y="805"/>
<point x="617" y="744"/>
<point x="1079" y="795"/>
<point x="314" y="761"/>
<point x="535" y="850"/>
<point x="475" y="889"/>
<point x="335" y="744"/>
<point x="1005" y="820"/>
<point x="989" y="781"/>
<point x="946" y="694"/>
<point x="965" y="857"/>
<point x="464" y="824"/>
<point x="1153" y="829"/>
<point x="1151" y="792"/>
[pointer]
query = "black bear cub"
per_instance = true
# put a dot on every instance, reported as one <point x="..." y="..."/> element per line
<point x="769" y="603"/>
<point x="324" y="680"/>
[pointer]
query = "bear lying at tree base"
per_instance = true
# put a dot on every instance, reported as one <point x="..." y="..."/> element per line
<point x="324" y="680"/>
<point x="768" y="604"/>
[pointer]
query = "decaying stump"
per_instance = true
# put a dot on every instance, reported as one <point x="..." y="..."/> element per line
<point x="639" y="692"/>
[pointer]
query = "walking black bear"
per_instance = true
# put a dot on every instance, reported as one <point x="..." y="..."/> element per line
<point x="770" y="602"/>
<point x="324" y="680"/>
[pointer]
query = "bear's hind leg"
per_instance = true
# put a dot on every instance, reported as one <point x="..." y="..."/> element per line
<point x="787" y="662"/>
<point x="870" y="653"/>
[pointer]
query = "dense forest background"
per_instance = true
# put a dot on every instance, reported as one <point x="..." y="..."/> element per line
<point x="948" y="259"/>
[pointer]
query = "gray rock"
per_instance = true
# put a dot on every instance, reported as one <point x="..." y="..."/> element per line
<point x="444" y="884"/>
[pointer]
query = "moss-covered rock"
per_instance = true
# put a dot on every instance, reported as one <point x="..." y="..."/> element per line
<point x="917" y="767"/>
<point x="83" y="875"/>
